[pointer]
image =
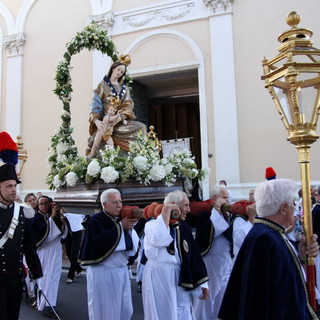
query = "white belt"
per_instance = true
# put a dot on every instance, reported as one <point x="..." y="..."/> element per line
<point x="14" y="222"/>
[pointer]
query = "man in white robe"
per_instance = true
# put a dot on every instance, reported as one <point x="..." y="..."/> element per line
<point x="48" y="226"/>
<point x="217" y="260"/>
<point x="106" y="247"/>
<point x="167" y="293"/>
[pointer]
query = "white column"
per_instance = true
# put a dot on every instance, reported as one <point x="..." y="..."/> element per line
<point x="14" y="44"/>
<point x="224" y="99"/>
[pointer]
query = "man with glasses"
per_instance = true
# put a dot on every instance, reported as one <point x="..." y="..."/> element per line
<point x="49" y="228"/>
<point x="107" y="244"/>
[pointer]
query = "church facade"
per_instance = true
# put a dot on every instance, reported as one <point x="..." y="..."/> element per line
<point x="196" y="69"/>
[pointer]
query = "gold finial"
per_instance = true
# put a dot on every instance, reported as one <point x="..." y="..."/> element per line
<point x="124" y="59"/>
<point x="293" y="19"/>
<point x="294" y="37"/>
<point x="152" y="135"/>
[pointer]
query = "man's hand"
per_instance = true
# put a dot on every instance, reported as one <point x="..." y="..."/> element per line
<point x="38" y="283"/>
<point x="128" y="224"/>
<point x="166" y="212"/>
<point x="311" y="250"/>
<point x="205" y="294"/>
<point x="251" y="212"/>
<point x="219" y="202"/>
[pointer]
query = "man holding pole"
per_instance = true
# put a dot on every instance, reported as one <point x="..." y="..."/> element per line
<point x="268" y="278"/>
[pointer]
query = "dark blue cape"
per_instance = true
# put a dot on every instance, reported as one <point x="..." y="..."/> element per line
<point x="193" y="270"/>
<point x="266" y="281"/>
<point x="102" y="235"/>
<point x="41" y="228"/>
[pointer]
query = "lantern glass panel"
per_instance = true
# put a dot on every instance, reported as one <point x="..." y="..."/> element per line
<point x="307" y="94"/>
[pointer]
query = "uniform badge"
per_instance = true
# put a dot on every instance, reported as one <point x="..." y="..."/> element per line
<point x="185" y="246"/>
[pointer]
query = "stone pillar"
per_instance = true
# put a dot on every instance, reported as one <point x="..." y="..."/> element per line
<point x="224" y="92"/>
<point x="14" y="45"/>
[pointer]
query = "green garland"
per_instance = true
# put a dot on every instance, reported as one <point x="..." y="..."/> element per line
<point x="92" y="37"/>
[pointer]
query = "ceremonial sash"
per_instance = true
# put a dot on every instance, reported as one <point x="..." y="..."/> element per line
<point x="14" y="222"/>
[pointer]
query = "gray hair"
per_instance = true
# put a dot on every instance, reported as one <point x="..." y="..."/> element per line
<point x="271" y="194"/>
<point x="217" y="189"/>
<point x="175" y="197"/>
<point x="104" y="197"/>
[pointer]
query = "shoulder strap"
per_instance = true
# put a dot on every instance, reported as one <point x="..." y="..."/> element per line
<point x="14" y="222"/>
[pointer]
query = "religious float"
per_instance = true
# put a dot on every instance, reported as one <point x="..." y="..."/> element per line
<point x="140" y="172"/>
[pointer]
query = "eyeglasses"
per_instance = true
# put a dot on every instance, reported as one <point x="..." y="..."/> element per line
<point x="43" y="203"/>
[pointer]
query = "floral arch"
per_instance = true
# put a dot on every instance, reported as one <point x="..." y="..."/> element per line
<point x="143" y="162"/>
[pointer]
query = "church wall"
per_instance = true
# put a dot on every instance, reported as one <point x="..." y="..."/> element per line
<point x="262" y="136"/>
<point x="256" y="25"/>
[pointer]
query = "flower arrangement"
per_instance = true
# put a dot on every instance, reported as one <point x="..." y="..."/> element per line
<point x="143" y="163"/>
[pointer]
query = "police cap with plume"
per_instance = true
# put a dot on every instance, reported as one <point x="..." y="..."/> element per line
<point x="8" y="158"/>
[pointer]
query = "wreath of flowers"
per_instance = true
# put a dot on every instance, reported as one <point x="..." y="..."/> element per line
<point x="143" y="162"/>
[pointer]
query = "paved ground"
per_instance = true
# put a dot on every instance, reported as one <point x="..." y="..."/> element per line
<point x="72" y="302"/>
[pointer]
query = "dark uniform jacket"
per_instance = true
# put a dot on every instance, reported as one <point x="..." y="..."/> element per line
<point x="23" y="243"/>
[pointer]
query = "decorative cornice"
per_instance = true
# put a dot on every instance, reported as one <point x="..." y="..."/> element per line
<point x="106" y="20"/>
<point x="176" y="11"/>
<point x="219" y="6"/>
<point x="14" y="43"/>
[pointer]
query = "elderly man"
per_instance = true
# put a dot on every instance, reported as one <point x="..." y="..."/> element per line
<point x="175" y="271"/>
<point x="16" y="240"/>
<point x="216" y="255"/>
<point x="106" y="247"/>
<point x="268" y="279"/>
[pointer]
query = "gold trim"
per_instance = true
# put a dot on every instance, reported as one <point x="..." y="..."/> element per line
<point x="117" y="224"/>
<point x="46" y="219"/>
<point x="296" y="260"/>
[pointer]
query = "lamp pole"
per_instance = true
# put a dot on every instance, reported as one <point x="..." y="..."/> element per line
<point x="293" y="80"/>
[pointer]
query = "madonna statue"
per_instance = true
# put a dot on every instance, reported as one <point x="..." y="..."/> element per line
<point x="109" y="89"/>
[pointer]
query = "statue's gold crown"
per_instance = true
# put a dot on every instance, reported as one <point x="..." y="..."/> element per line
<point x="115" y="101"/>
<point x="124" y="59"/>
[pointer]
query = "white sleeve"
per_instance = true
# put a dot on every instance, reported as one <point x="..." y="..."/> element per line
<point x="240" y="230"/>
<point x="157" y="234"/>
<point x="220" y="225"/>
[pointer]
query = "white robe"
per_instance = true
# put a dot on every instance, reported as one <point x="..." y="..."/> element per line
<point x="241" y="228"/>
<point x="161" y="295"/>
<point x="50" y="255"/>
<point x="108" y="284"/>
<point x="219" y="264"/>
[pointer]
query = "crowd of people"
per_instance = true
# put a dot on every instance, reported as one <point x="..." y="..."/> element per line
<point x="245" y="266"/>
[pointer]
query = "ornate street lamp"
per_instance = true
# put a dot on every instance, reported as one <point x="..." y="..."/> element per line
<point x="293" y="80"/>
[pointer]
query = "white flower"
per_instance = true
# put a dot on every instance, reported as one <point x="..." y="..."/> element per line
<point x="71" y="179"/>
<point x="157" y="173"/>
<point x="109" y="174"/>
<point x="168" y="168"/>
<point x="57" y="182"/>
<point x="140" y="162"/>
<point x="62" y="158"/>
<point x="194" y="173"/>
<point x="188" y="162"/>
<point x="93" y="168"/>
<point x="62" y="147"/>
